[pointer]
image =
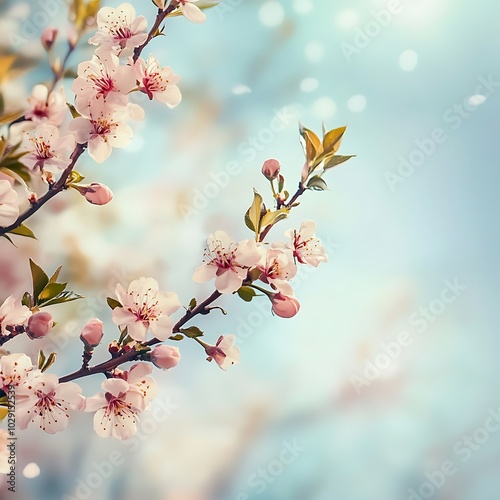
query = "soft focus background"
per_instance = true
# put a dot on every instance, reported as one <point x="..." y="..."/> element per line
<point x="410" y="226"/>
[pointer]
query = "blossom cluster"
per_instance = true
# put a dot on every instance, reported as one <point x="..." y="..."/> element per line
<point x="51" y="128"/>
<point x="235" y="264"/>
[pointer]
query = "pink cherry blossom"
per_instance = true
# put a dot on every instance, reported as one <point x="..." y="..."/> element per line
<point x="278" y="268"/>
<point x="285" y="306"/>
<point x="46" y="150"/>
<point x="47" y="108"/>
<point x="139" y="379"/>
<point x="306" y="248"/>
<point x="103" y="79"/>
<point x="44" y="402"/>
<point x="119" y="29"/>
<point x="14" y="369"/>
<point x="226" y="261"/>
<point x="157" y="82"/>
<point x="116" y="409"/>
<point x="224" y="352"/>
<point x="103" y="130"/>
<point x="9" y="210"/>
<point x="13" y="313"/>
<point x="165" y="356"/>
<point x="191" y="11"/>
<point x="145" y="307"/>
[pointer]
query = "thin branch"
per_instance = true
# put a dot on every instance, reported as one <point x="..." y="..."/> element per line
<point x="132" y="355"/>
<point x="162" y="14"/>
<point x="56" y="188"/>
<point x="201" y="308"/>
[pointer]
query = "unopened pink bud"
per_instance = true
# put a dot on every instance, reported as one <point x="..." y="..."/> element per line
<point x="72" y="36"/>
<point x="97" y="194"/>
<point x="165" y="356"/>
<point x="92" y="333"/>
<point x="48" y="37"/>
<point x="285" y="306"/>
<point x="39" y="325"/>
<point x="271" y="169"/>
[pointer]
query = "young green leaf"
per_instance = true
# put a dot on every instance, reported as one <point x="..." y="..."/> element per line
<point x="23" y="230"/>
<point x="177" y="337"/>
<point x="273" y="217"/>
<point x="113" y="303"/>
<point x="333" y="139"/>
<point x="192" y="332"/>
<point x="311" y="144"/>
<point x="54" y="277"/>
<point x="67" y="296"/>
<point x="246" y="293"/>
<point x="336" y="160"/>
<point x="39" y="278"/>
<point x="317" y="183"/>
<point x="253" y="215"/>
<point x="51" y="291"/>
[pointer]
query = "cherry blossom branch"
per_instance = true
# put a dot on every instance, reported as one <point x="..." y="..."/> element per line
<point x="54" y="189"/>
<point x="132" y="355"/>
<point x="162" y="14"/>
<point x="300" y="191"/>
<point x="201" y="308"/>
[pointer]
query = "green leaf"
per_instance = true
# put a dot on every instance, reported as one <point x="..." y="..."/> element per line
<point x="177" y="337"/>
<point x="253" y="215"/>
<point x="192" y="304"/>
<point x="333" y="139"/>
<point x="23" y="230"/>
<point x="7" y="237"/>
<point x="27" y="300"/>
<point x="311" y="144"/>
<point x="192" y="332"/>
<point x="246" y="293"/>
<point x="317" y="183"/>
<point x="123" y="336"/>
<point x="40" y="279"/>
<point x="113" y="303"/>
<point x="74" y="177"/>
<point x="64" y="297"/>
<point x="11" y="117"/>
<point x="50" y="361"/>
<point x="51" y="291"/>
<point x="54" y="277"/>
<point x="73" y="111"/>
<point x="13" y="168"/>
<point x="41" y="359"/>
<point x="274" y="217"/>
<point x="336" y="160"/>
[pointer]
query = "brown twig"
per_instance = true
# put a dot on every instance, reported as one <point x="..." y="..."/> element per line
<point x="56" y="188"/>
<point x="162" y="14"/>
